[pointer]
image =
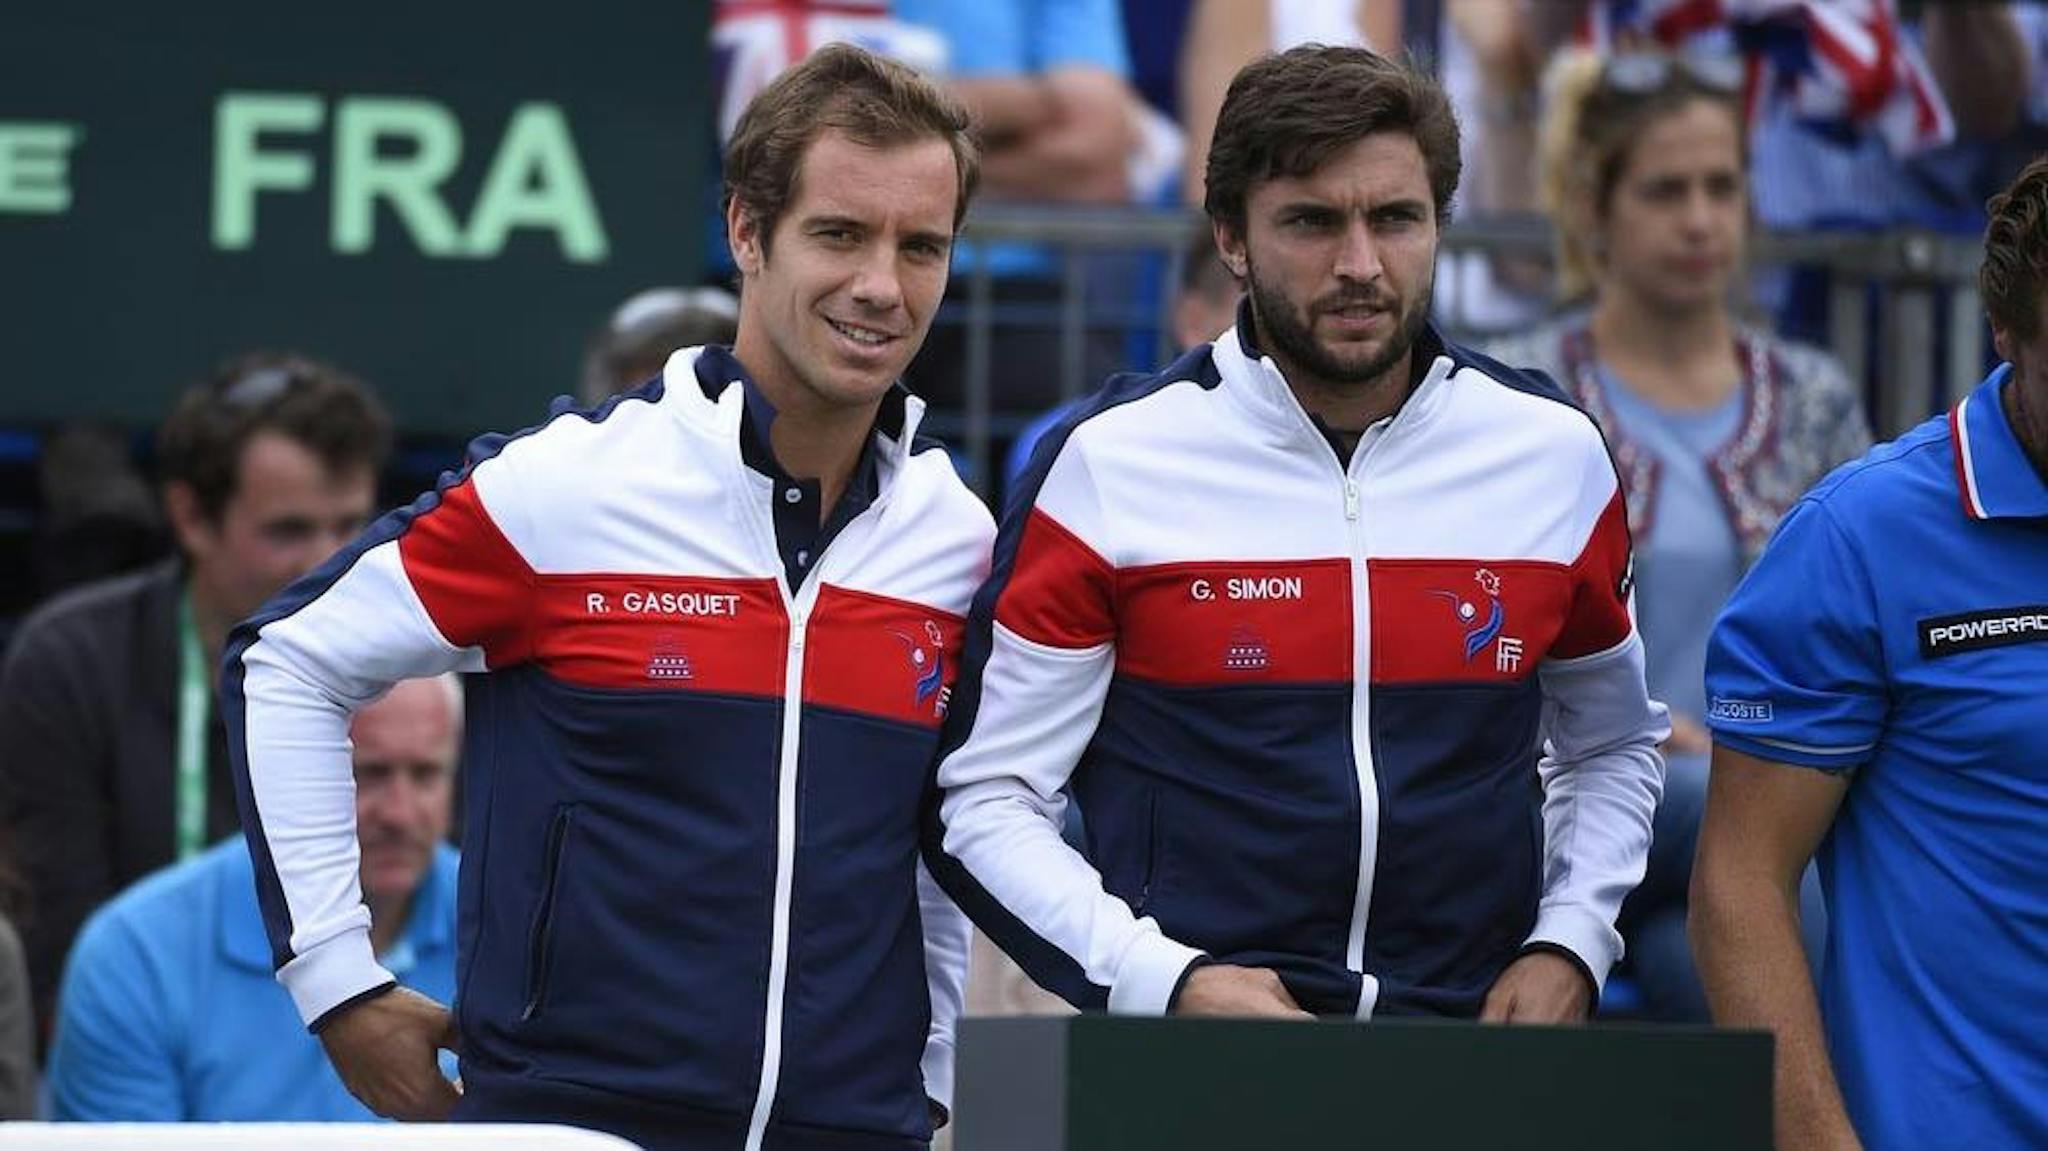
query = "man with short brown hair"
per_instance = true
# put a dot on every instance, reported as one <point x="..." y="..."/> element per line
<point x="169" y="1013"/>
<point x="717" y="619"/>
<point x="1290" y="618"/>
<point x="113" y="759"/>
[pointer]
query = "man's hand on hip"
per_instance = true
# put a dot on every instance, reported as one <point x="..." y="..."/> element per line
<point x="1240" y="992"/>
<point x="1540" y="987"/>
<point x="386" y="1050"/>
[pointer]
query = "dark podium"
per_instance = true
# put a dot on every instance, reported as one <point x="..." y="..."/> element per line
<point x="1099" y="1083"/>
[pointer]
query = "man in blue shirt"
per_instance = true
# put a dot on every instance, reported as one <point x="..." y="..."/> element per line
<point x="169" y="1010"/>
<point x="1878" y="690"/>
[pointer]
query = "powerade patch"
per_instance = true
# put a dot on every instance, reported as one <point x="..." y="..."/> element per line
<point x="1977" y="630"/>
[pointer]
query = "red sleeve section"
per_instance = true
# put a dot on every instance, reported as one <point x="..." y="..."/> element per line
<point x="476" y="586"/>
<point x="883" y="657"/>
<point x="1060" y="592"/>
<point x="1600" y="578"/>
<point x="1226" y="622"/>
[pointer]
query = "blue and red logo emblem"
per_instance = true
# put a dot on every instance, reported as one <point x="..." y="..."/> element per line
<point x="1481" y="618"/>
<point x="927" y="656"/>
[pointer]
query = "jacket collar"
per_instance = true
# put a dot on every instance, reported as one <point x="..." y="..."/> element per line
<point x="429" y="926"/>
<point x="1994" y="478"/>
<point x="1256" y="385"/>
<point x="709" y="389"/>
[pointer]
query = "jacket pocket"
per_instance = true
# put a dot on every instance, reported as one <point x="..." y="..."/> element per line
<point x="539" y="949"/>
<point x="1149" y="878"/>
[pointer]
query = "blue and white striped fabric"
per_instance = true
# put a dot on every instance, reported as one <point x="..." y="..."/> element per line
<point x="1846" y="64"/>
<point x="1837" y="92"/>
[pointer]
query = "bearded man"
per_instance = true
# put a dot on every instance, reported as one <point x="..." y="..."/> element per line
<point x="1326" y="627"/>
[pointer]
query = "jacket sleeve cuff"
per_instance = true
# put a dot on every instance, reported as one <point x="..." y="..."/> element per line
<point x="1150" y="974"/>
<point x="1583" y="935"/>
<point x="938" y="1072"/>
<point x="332" y="974"/>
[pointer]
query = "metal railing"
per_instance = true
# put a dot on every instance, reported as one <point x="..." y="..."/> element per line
<point x="1890" y="295"/>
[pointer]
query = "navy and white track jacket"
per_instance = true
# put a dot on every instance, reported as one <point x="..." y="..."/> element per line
<point x="1303" y="705"/>
<point x="690" y="890"/>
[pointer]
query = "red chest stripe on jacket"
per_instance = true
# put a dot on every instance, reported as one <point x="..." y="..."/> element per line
<point x="1059" y="589"/>
<point x="672" y="633"/>
<point x="1231" y="622"/>
<point x="1464" y="621"/>
<point x="884" y="657"/>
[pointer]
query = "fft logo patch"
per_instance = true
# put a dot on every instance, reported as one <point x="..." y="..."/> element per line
<point x="927" y="656"/>
<point x="1483" y="620"/>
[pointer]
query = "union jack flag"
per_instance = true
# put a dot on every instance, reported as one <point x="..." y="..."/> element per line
<point x="1841" y="65"/>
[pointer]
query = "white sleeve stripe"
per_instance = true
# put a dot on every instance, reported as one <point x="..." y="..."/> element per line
<point x="300" y="677"/>
<point x="1808" y="748"/>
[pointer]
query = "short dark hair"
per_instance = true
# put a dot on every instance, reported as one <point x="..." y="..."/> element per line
<point x="839" y="88"/>
<point x="316" y="405"/>
<point x="2015" y="267"/>
<point x="1285" y="115"/>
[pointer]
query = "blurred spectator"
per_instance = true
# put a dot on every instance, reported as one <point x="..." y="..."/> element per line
<point x="1154" y="31"/>
<point x="1716" y="427"/>
<point x="1047" y="81"/>
<point x="98" y="517"/>
<point x="1048" y="84"/>
<point x="1225" y="35"/>
<point x="752" y="41"/>
<point x="170" y="1011"/>
<point x="113" y="760"/>
<point x="1839" y="94"/>
<point x="1204" y="307"/>
<point x="636" y="341"/>
<point x="17" y="1022"/>
<point x="1978" y="169"/>
<point x="1206" y="304"/>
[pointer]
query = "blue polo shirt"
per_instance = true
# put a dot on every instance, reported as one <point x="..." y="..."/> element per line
<point x="170" y="1011"/>
<point x="1897" y="629"/>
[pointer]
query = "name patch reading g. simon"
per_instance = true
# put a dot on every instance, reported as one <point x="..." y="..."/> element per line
<point x="1977" y="630"/>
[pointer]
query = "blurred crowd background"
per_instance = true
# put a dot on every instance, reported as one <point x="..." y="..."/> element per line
<point x="1742" y="232"/>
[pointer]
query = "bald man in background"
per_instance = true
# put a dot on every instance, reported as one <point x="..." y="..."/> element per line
<point x="169" y="1010"/>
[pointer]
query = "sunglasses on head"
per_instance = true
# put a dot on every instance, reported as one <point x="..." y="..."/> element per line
<point x="1643" y="73"/>
<point x="257" y="387"/>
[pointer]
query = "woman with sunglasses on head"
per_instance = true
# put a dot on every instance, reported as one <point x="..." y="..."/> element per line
<point x="1716" y="426"/>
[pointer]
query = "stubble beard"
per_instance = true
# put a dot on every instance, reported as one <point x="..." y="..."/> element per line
<point x="1290" y="336"/>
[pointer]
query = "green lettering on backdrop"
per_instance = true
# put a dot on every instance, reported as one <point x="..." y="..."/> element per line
<point x="241" y="168"/>
<point x="35" y="175"/>
<point x="409" y="181"/>
<point x="537" y="181"/>
<point x="264" y="177"/>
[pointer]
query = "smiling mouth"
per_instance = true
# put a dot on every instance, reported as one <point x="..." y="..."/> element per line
<point x="867" y="337"/>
